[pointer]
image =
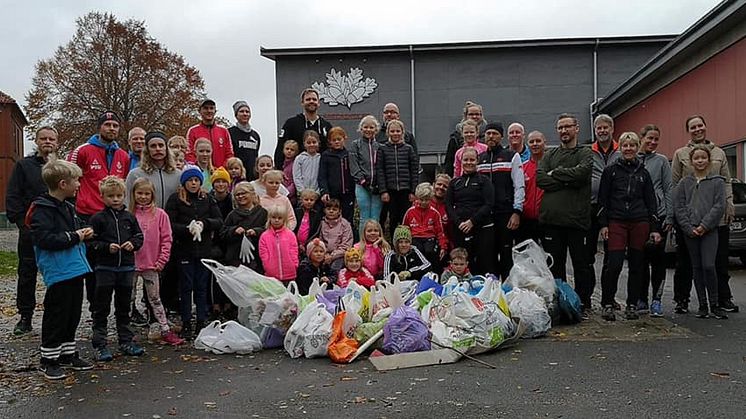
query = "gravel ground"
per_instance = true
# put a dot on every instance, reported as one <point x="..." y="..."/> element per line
<point x="8" y="239"/>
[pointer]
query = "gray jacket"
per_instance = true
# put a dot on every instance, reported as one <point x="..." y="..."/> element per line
<point x="660" y="173"/>
<point x="306" y="171"/>
<point x="363" y="162"/>
<point x="601" y="162"/>
<point x="165" y="183"/>
<point x="699" y="202"/>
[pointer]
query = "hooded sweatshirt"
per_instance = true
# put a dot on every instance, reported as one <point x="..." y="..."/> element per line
<point x="97" y="160"/>
<point x="699" y="202"/>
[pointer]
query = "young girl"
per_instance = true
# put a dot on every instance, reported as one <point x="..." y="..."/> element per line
<point x="249" y="219"/>
<point x="203" y="150"/>
<point x="290" y="150"/>
<point x="309" y="218"/>
<point x="236" y="170"/>
<point x="278" y="249"/>
<point x="155" y="251"/>
<point x="363" y="157"/>
<point x="179" y="161"/>
<point x="355" y="271"/>
<point x="221" y="183"/>
<point x="179" y="143"/>
<point x="405" y="260"/>
<point x="264" y="164"/>
<point x="273" y="197"/>
<point x="195" y="217"/>
<point x="699" y="204"/>
<point x="336" y="232"/>
<point x="306" y="165"/>
<point x="313" y="267"/>
<point x="373" y="247"/>
<point x="397" y="167"/>
<point x="335" y="178"/>
<point x="470" y="132"/>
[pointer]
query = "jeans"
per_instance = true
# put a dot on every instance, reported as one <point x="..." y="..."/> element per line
<point x="194" y="279"/>
<point x="369" y="204"/>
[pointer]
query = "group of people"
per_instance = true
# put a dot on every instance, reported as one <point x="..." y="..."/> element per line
<point x="109" y="219"/>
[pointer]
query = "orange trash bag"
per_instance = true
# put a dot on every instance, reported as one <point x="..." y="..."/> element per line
<point x="341" y="348"/>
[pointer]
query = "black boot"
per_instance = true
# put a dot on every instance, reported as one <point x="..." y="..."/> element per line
<point x="23" y="326"/>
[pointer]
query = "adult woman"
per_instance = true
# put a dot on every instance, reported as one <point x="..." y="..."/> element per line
<point x="627" y="215"/>
<point x="472" y="111"/>
<point x="363" y="158"/>
<point x="469" y="204"/>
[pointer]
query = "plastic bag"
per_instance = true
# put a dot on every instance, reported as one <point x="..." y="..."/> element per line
<point x="428" y="282"/>
<point x="365" y="331"/>
<point x="341" y="347"/>
<point x="241" y="284"/>
<point x="227" y="338"/>
<point x="405" y="332"/>
<point x="353" y="299"/>
<point x="570" y="307"/>
<point x="309" y="334"/>
<point x="492" y="291"/>
<point x="280" y="312"/>
<point x="530" y="308"/>
<point x="246" y="255"/>
<point x="531" y="271"/>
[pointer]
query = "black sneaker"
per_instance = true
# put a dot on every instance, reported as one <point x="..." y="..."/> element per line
<point x="719" y="313"/>
<point x="186" y="332"/>
<point x="52" y="370"/>
<point x="703" y="312"/>
<point x="23" y="326"/>
<point x="631" y="313"/>
<point x="137" y="319"/>
<point x="74" y="363"/>
<point x="727" y="305"/>
<point x="682" y="307"/>
<point x="608" y="313"/>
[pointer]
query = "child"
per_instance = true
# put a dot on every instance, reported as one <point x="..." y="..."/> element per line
<point x="354" y="270"/>
<point x="470" y="132"/>
<point x="397" y="172"/>
<point x="290" y="150"/>
<point x="178" y="143"/>
<point x="306" y="165"/>
<point x="236" y="170"/>
<point x="249" y="219"/>
<point x="363" y="157"/>
<point x="404" y="259"/>
<point x="459" y="266"/>
<point x="58" y="234"/>
<point x="335" y="178"/>
<point x="314" y="267"/>
<point x="278" y="248"/>
<point x="373" y="247"/>
<point x="117" y="236"/>
<point x="699" y="204"/>
<point x="263" y="165"/>
<point x="203" y="151"/>
<point x="155" y="251"/>
<point x="336" y="232"/>
<point x="309" y="218"/>
<point x="195" y="217"/>
<point x="221" y="183"/>
<point x="425" y="223"/>
<point x="179" y="161"/>
<point x="273" y="196"/>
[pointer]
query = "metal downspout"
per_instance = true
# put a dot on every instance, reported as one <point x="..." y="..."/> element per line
<point x="592" y="106"/>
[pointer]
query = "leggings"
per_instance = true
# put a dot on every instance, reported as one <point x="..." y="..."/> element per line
<point x="151" y="281"/>
<point x="702" y="251"/>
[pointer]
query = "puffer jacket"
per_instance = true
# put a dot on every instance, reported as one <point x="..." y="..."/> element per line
<point x="699" y="202"/>
<point x="337" y="235"/>
<point x="397" y="167"/>
<point x="335" y="177"/>
<point x="470" y="197"/>
<point x="363" y="158"/>
<point x="278" y="250"/>
<point x="567" y="190"/>
<point x="660" y="173"/>
<point x="201" y="208"/>
<point x="626" y="194"/>
<point x="115" y="226"/>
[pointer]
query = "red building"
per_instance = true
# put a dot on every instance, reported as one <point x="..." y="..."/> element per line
<point x="703" y="71"/>
<point x="12" y="122"/>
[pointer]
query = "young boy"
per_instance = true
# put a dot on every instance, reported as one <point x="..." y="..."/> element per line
<point x="117" y="236"/>
<point x="459" y="267"/>
<point x="58" y="236"/>
<point x="425" y="223"/>
<point x="406" y="261"/>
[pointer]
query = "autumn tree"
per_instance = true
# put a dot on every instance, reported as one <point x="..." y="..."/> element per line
<point x="113" y="65"/>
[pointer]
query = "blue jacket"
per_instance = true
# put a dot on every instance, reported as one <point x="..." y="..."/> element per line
<point x="60" y="255"/>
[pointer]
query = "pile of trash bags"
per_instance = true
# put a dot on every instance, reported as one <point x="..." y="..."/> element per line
<point x="394" y="316"/>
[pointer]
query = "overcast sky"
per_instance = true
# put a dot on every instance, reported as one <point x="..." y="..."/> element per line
<point x="222" y="37"/>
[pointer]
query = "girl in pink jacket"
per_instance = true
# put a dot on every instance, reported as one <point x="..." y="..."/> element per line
<point x="337" y="235"/>
<point x="373" y="247"/>
<point x="278" y="247"/>
<point x="155" y="251"/>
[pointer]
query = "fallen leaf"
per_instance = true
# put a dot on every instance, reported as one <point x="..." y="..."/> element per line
<point x="346" y="378"/>
<point x="360" y="399"/>
<point x="172" y="411"/>
<point x="225" y="393"/>
<point x="720" y="374"/>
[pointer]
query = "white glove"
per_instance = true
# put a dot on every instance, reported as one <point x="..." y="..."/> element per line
<point x="195" y="228"/>
<point x="247" y="251"/>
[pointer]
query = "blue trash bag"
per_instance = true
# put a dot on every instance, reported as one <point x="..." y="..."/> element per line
<point x="570" y="306"/>
<point x="405" y="331"/>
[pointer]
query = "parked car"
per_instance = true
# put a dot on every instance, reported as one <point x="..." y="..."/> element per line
<point x="737" y="243"/>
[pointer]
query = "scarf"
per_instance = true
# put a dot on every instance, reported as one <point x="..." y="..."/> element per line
<point x="244" y="128"/>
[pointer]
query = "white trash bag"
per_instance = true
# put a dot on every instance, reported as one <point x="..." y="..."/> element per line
<point x="531" y="271"/>
<point x="242" y="285"/>
<point x="227" y="338"/>
<point x="531" y="309"/>
<point x="309" y="335"/>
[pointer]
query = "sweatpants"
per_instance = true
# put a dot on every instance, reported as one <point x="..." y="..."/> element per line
<point x="151" y="282"/>
<point x="118" y="284"/>
<point x="721" y="264"/>
<point x="529" y="229"/>
<point x="653" y="270"/>
<point x="429" y="248"/>
<point x="194" y="279"/>
<point x="504" y="243"/>
<point x="702" y="251"/>
<point x="398" y="205"/>
<point x="480" y="244"/>
<point x="557" y="240"/>
<point x="27" y="270"/>
<point x="682" y="277"/>
<point x="90" y="278"/>
<point x="630" y="236"/>
<point x="63" y="302"/>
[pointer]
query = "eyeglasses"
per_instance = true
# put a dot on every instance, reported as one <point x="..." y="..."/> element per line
<point x="566" y="127"/>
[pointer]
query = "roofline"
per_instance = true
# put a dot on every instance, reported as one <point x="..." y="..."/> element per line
<point x="273" y="53"/>
<point x="710" y="23"/>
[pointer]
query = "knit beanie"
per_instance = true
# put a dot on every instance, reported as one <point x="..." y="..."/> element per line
<point x="496" y="126"/>
<point x="238" y="105"/>
<point x="353" y="254"/>
<point x="220" y="174"/>
<point x="314" y="244"/>
<point x="108" y="116"/>
<point x="190" y="172"/>
<point x="154" y="134"/>
<point x="401" y="233"/>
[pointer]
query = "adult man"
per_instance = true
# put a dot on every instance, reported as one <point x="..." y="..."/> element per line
<point x="136" y="142"/>
<point x="390" y="113"/>
<point x="565" y="176"/>
<point x="516" y="138"/>
<point x="502" y="166"/>
<point x="294" y="126"/>
<point x="529" y="228"/>
<point x="474" y="112"/>
<point x="246" y="141"/>
<point x="222" y="147"/>
<point x="24" y="186"/>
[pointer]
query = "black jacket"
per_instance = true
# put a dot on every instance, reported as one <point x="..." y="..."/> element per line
<point x="408" y="138"/>
<point x="24" y="186"/>
<point x="315" y="217"/>
<point x="246" y="147"/>
<point x="115" y="226"/>
<point x="496" y="164"/>
<point x="470" y="197"/>
<point x="626" y="194"/>
<point x="397" y="167"/>
<point x="413" y="262"/>
<point x="256" y="219"/>
<point x="203" y="209"/>
<point x="335" y="177"/>
<point x="225" y="206"/>
<point x="307" y="272"/>
<point x="293" y="129"/>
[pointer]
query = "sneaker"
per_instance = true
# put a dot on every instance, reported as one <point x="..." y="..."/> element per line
<point x="642" y="306"/>
<point x="137" y="319"/>
<point x="608" y="313"/>
<point x="52" y="371"/>
<point x="630" y="313"/>
<point x="74" y="362"/>
<point x="103" y="354"/>
<point x="719" y="313"/>
<point x="617" y="306"/>
<point x="23" y="326"/>
<point x="656" y="309"/>
<point x="171" y="338"/>
<point x="727" y="305"/>
<point x="703" y="312"/>
<point x="682" y="307"/>
<point x="132" y="349"/>
<point x="186" y="332"/>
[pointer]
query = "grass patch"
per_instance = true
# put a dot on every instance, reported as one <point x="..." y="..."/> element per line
<point x="8" y="263"/>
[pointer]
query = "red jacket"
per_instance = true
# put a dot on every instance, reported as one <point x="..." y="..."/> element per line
<point x="444" y="221"/>
<point x="222" y="147"/>
<point x="91" y="157"/>
<point x="425" y="223"/>
<point x="278" y="251"/>
<point x="363" y="277"/>
<point x="533" y="193"/>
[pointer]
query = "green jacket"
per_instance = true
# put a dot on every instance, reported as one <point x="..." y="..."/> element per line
<point x="565" y="176"/>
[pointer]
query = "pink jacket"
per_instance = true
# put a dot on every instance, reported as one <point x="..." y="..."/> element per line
<point x="278" y="251"/>
<point x="337" y="236"/>
<point x="268" y="202"/>
<point x="457" y="170"/>
<point x="372" y="259"/>
<point x="156" y="246"/>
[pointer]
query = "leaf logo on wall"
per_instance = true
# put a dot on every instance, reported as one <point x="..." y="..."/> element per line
<point x="345" y="89"/>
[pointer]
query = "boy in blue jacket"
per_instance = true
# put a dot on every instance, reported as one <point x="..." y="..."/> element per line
<point x="58" y="235"/>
